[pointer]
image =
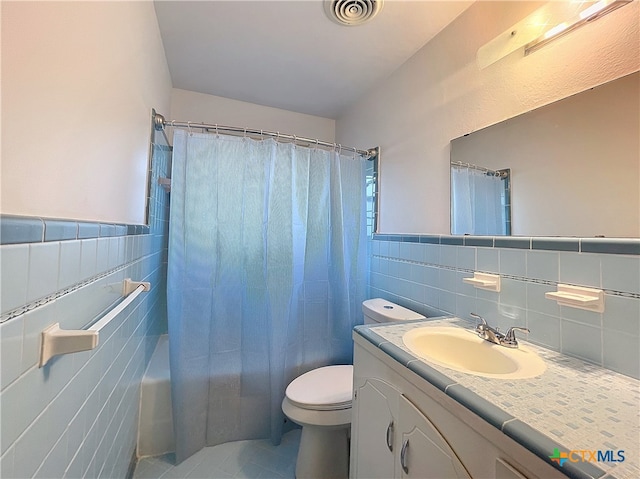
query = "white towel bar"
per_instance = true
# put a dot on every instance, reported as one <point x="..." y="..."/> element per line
<point x="57" y="341"/>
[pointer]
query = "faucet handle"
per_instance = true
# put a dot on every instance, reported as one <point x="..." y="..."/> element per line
<point x="482" y="326"/>
<point x="477" y="316"/>
<point x="509" y="339"/>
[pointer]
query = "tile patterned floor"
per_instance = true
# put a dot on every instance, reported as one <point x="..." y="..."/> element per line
<point x="257" y="459"/>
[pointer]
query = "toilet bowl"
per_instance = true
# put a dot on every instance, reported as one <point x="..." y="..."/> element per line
<point x="320" y="402"/>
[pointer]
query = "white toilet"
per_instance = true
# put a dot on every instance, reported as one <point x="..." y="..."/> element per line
<point x="320" y="401"/>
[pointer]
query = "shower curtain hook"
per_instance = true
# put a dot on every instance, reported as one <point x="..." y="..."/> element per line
<point x="339" y="149"/>
<point x="216" y="127"/>
<point x="317" y="144"/>
<point x="295" y="140"/>
<point x="245" y="132"/>
<point x="189" y="128"/>
<point x="277" y="136"/>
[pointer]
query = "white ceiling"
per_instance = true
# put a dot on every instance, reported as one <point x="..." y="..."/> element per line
<point x="288" y="54"/>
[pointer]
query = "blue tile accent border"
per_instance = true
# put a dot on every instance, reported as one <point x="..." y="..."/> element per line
<point x="627" y="246"/>
<point x="411" y="239"/>
<point x="60" y="230"/>
<point x="485" y="241"/>
<point x="396" y="353"/>
<point x="543" y="447"/>
<point x="436" y="378"/>
<point x="483" y="408"/>
<point x="556" y="244"/>
<point x="21" y="229"/>
<point x="452" y="240"/>
<point x="107" y="230"/>
<point x="369" y="335"/>
<point x="615" y="246"/>
<point x="430" y="239"/>
<point x="512" y="242"/>
<point x="88" y="230"/>
<point x="29" y="229"/>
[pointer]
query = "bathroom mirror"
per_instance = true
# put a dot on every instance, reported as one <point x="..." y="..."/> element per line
<point x="574" y="164"/>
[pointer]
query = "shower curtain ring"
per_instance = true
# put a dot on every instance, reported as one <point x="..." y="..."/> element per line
<point x="339" y="149"/>
<point x="245" y="132"/>
<point x="189" y="128"/>
<point x="295" y="140"/>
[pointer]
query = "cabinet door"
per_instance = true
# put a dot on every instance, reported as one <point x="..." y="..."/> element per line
<point x="424" y="453"/>
<point x="504" y="470"/>
<point x="374" y="425"/>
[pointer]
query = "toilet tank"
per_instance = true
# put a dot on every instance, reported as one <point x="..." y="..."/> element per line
<point x="380" y="310"/>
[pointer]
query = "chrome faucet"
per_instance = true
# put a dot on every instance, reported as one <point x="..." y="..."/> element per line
<point x="509" y="339"/>
<point x="494" y="335"/>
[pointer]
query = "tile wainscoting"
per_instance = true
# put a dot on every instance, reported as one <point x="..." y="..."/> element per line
<point x="425" y="272"/>
<point x="77" y="416"/>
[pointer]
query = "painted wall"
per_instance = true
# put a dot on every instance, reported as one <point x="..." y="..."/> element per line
<point x="440" y="94"/>
<point x="200" y="107"/>
<point x="79" y="80"/>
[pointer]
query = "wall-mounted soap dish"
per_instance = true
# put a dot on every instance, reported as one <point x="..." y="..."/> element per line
<point x="490" y="282"/>
<point x="580" y="297"/>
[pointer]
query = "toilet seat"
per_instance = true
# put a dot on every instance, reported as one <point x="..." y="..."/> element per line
<point x="329" y="388"/>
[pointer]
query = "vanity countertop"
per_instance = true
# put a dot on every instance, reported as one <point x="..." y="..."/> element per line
<point x="573" y="406"/>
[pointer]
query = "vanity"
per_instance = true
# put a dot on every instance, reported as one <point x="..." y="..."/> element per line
<point x="413" y="417"/>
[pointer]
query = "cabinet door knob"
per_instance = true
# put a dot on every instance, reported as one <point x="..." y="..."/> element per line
<point x="403" y="456"/>
<point x="390" y="436"/>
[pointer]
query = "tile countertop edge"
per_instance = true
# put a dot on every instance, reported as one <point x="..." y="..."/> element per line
<point x="528" y="437"/>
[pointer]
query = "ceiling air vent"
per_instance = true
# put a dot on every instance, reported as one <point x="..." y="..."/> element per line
<point x="352" y="12"/>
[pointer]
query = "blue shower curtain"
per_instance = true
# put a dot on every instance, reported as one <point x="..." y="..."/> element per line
<point x="477" y="203"/>
<point x="266" y="275"/>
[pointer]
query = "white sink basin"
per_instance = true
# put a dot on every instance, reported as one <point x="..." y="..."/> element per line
<point x="465" y="351"/>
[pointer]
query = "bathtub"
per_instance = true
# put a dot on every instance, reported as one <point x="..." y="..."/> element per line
<point x="155" y="424"/>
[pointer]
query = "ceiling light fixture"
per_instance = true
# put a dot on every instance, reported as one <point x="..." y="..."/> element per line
<point x="549" y="22"/>
<point x="589" y="14"/>
<point x="352" y="12"/>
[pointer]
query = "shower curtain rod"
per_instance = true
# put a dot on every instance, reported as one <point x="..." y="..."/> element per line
<point x="160" y="123"/>
<point x="500" y="173"/>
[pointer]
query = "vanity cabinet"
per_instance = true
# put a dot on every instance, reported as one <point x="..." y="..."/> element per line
<point x="424" y="453"/>
<point x="377" y="416"/>
<point x="396" y="440"/>
<point x="404" y="427"/>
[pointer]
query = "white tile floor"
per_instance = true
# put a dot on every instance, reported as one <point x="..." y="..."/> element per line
<point x="257" y="459"/>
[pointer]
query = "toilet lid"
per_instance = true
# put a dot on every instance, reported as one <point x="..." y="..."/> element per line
<point x="327" y="388"/>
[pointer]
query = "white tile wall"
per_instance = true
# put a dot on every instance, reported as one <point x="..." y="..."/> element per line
<point x="14" y="260"/>
<point x="77" y="416"/>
